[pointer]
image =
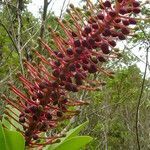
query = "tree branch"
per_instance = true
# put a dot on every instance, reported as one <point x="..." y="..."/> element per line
<point x="19" y="34"/>
<point x="140" y="97"/>
<point x="11" y="38"/>
<point x="42" y="30"/>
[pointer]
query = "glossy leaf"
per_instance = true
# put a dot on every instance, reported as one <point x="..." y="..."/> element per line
<point x="75" y="131"/>
<point x="11" y="140"/>
<point x="75" y="143"/>
<point x="71" y="133"/>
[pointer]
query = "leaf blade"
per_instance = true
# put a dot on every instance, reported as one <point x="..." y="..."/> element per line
<point x="71" y="133"/>
<point x="76" y="130"/>
<point x="3" y="144"/>
<point x="75" y="143"/>
<point x="8" y="139"/>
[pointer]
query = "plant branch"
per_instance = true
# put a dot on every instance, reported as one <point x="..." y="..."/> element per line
<point x="11" y="38"/>
<point x="46" y="4"/>
<point x="140" y="97"/>
<point x="19" y="34"/>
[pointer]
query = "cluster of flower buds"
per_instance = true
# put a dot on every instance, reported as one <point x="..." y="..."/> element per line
<point x="88" y="42"/>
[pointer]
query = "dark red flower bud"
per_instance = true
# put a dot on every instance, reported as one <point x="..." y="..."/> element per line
<point x="35" y="117"/>
<point x="49" y="116"/>
<point x="101" y="6"/>
<point x="27" y="110"/>
<point x="74" y="34"/>
<point x="54" y="84"/>
<point x="60" y="55"/>
<point x="112" y="13"/>
<point x="105" y="48"/>
<point x="63" y="107"/>
<point x="33" y="108"/>
<point x="59" y="114"/>
<point x="132" y="21"/>
<point x="106" y="32"/>
<point x="125" y="31"/>
<point x="56" y="52"/>
<point x="55" y="102"/>
<point x="117" y="27"/>
<point x="107" y="4"/>
<point x="78" y="76"/>
<point x="69" y="51"/>
<point x="21" y="115"/>
<point x="129" y="10"/>
<point x="78" y="65"/>
<point x="97" y="39"/>
<point x="114" y="34"/>
<point x="43" y="85"/>
<point x="136" y="4"/>
<point x="62" y="76"/>
<point x="77" y="43"/>
<point x="91" y="20"/>
<point x="85" y="67"/>
<point x="57" y="63"/>
<point x="85" y="60"/>
<point x="100" y="16"/>
<point x="125" y="22"/>
<point x="72" y="67"/>
<point x="101" y="58"/>
<point x="34" y="98"/>
<point x="40" y="95"/>
<point x="22" y="119"/>
<point x="68" y="79"/>
<point x="27" y="133"/>
<point x="56" y="73"/>
<point x="117" y="20"/>
<point x="39" y="125"/>
<point x="92" y="68"/>
<point x="78" y="81"/>
<point x="112" y="43"/>
<point x="44" y="127"/>
<point x="122" y="11"/>
<point x="64" y="101"/>
<point x="94" y="46"/>
<point x="95" y="26"/>
<point x="85" y="44"/>
<point x="87" y="30"/>
<point x="79" y="50"/>
<point x="136" y="10"/>
<point x="68" y="86"/>
<point x="84" y="34"/>
<point x="35" y="136"/>
<point x="74" y="88"/>
<point x="121" y="36"/>
<point x="120" y="1"/>
<point x="54" y="95"/>
<point x="91" y="41"/>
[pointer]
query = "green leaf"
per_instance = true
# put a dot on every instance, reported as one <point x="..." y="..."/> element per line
<point x="75" y="131"/>
<point x="75" y="143"/>
<point x="3" y="144"/>
<point x="71" y="133"/>
<point x="11" y="140"/>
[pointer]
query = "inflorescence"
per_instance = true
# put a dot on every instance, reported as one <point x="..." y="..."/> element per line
<point x="91" y="34"/>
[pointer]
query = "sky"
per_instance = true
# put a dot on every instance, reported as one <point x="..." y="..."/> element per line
<point x="56" y="6"/>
